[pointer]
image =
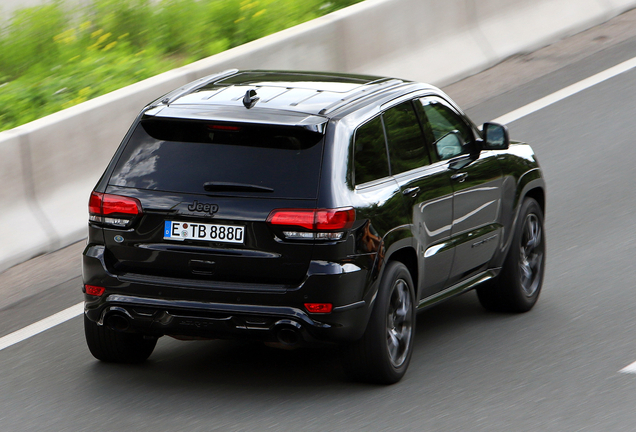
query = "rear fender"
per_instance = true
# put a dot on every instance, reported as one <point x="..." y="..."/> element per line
<point x="392" y="244"/>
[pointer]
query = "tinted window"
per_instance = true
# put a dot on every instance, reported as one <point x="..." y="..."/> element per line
<point x="407" y="149"/>
<point x="449" y="131"/>
<point x="181" y="156"/>
<point x="370" y="152"/>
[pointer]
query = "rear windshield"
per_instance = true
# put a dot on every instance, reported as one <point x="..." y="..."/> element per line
<point x="221" y="159"/>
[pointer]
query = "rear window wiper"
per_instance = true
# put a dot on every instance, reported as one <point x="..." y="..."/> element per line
<point x="234" y="187"/>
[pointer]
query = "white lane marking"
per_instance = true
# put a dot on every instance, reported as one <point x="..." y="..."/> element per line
<point x="78" y="309"/>
<point x="40" y="326"/>
<point x="629" y="369"/>
<point x="566" y="92"/>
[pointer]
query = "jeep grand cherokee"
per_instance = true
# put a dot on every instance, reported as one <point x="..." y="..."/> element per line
<point x="307" y="209"/>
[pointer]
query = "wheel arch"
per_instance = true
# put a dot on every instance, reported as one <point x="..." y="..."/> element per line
<point x="530" y="185"/>
<point x="408" y="257"/>
<point x="538" y="194"/>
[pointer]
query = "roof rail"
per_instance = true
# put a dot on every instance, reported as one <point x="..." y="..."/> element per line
<point x="368" y="89"/>
<point x="194" y="85"/>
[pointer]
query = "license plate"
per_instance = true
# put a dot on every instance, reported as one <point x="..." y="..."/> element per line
<point x="198" y="231"/>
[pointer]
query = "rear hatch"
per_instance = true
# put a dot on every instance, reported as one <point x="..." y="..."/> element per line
<point x="206" y="189"/>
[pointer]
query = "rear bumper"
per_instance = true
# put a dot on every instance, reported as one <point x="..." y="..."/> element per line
<point x="159" y="317"/>
<point x="230" y="311"/>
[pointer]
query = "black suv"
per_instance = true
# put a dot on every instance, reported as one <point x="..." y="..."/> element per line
<point x="304" y="208"/>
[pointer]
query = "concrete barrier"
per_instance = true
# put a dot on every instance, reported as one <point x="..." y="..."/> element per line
<point x="22" y="227"/>
<point x="49" y="166"/>
<point x="441" y="42"/>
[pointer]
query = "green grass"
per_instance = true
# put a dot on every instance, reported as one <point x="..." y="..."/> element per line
<point x="52" y="58"/>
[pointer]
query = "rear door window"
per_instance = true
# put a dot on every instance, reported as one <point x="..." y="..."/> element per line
<point x="407" y="147"/>
<point x="370" y="159"/>
<point x="183" y="156"/>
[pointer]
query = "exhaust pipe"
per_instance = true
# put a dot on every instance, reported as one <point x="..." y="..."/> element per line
<point x="115" y="318"/>
<point x="288" y="332"/>
<point x="287" y="336"/>
<point x="117" y="322"/>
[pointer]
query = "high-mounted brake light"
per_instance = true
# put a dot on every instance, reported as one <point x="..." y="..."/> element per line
<point x="102" y="205"/>
<point x="321" y="222"/>
<point x="225" y="128"/>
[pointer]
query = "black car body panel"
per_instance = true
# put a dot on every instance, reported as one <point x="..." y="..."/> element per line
<point x="202" y="158"/>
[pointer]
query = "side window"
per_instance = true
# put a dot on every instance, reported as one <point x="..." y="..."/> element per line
<point x="407" y="147"/>
<point x="451" y="135"/>
<point x="370" y="159"/>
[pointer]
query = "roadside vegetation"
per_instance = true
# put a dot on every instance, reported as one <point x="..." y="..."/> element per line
<point x="53" y="57"/>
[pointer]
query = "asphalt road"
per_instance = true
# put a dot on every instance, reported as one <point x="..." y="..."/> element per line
<point x="555" y="368"/>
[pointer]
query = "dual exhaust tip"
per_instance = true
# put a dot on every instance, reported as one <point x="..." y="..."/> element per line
<point x="287" y="332"/>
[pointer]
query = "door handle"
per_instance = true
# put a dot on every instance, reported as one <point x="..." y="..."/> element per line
<point x="412" y="191"/>
<point x="460" y="177"/>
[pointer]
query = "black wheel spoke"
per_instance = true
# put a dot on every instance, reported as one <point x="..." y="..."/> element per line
<point x="393" y="343"/>
<point x="531" y="254"/>
<point x="399" y="323"/>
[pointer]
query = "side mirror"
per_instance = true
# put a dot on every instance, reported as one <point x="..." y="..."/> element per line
<point x="495" y="137"/>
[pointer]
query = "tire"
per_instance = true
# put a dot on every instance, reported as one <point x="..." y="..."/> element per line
<point x="383" y="354"/>
<point x="117" y="347"/>
<point x="518" y="286"/>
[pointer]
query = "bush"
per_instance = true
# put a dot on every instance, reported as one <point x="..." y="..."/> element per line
<point x="52" y="58"/>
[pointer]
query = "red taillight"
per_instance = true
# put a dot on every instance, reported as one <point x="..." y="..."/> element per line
<point x="101" y="205"/>
<point x="121" y="205"/>
<point x="291" y="217"/>
<point x="321" y="224"/>
<point x="105" y="204"/>
<point x="95" y="203"/>
<point x="319" y="307"/>
<point x="314" y="219"/>
<point x="94" y="290"/>
<point x="335" y="219"/>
